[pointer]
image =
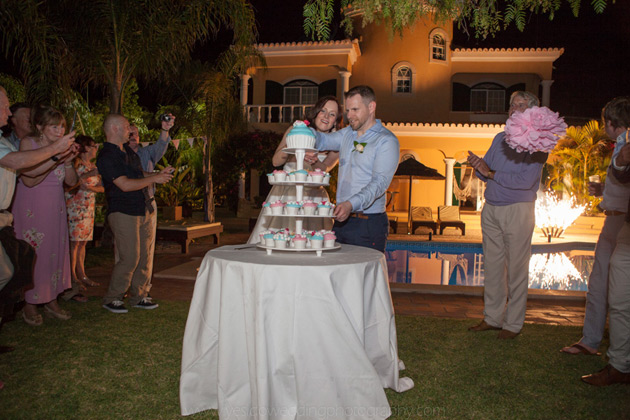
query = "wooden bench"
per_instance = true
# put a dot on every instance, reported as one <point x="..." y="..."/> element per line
<point x="185" y="234"/>
<point x="181" y="234"/>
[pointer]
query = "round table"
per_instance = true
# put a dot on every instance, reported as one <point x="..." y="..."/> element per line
<point x="291" y="335"/>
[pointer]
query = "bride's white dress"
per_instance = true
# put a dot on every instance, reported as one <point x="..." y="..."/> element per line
<point x="286" y="193"/>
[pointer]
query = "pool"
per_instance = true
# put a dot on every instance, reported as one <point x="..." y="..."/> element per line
<point x="552" y="266"/>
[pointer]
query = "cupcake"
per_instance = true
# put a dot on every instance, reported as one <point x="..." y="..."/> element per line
<point x="309" y="207"/>
<point x="271" y="178"/>
<point x="293" y="207"/>
<point x="323" y="209"/>
<point x="292" y="177"/>
<point x="300" y="136"/>
<point x="299" y="242"/>
<point x="280" y="240"/>
<point x="317" y="240"/>
<point x="300" y="176"/>
<point x="266" y="208"/>
<point x="277" y="207"/>
<point x="269" y="239"/>
<point x="279" y="175"/>
<point x="329" y="240"/>
<point x="326" y="179"/>
<point x="317" y="175"/>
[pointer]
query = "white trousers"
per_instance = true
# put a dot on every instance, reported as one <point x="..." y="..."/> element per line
<point x="619" y="303"/>
<point x="507" y="242"/>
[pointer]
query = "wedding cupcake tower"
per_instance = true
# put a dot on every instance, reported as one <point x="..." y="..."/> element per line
<point x="300" y="140"/>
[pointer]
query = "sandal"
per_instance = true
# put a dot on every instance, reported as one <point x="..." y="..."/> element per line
<point x="62" y="315"/>
<point x="580" y="350"/>
<point x="34" y="321"/>
<point x="79" y="298"/>
<point x="89" y="282"/>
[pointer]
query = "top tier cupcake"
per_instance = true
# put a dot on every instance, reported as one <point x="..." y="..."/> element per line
<point x="300" y="137"/>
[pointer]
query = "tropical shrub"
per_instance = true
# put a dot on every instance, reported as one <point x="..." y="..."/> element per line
<point x="583" y="152"/>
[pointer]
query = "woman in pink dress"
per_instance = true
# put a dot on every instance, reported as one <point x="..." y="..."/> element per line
<point x="80" y="203"/>
<point x="39" y="212"/>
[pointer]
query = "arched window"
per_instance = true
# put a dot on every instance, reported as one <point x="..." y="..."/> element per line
<point x="403" y="80"/>
<point x="487" y="97"/>
<point x="438" y="47"/>
<point x="300" y="92"/>
<point x="403" y="75"/>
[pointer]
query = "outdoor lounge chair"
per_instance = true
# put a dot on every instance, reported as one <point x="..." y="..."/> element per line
<point x="448" y="216"/>
<point x="393" y="223"/>
<point x="422" y="216"/>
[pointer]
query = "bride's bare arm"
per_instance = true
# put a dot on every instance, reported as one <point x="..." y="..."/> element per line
<point x="279" y="157"/>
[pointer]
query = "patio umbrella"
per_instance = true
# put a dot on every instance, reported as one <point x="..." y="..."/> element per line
<point x="413" y="169"/>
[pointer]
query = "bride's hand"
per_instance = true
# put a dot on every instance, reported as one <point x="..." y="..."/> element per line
<point x="310" y="157"/>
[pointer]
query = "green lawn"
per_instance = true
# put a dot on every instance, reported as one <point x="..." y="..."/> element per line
<point x="104" y="366"/>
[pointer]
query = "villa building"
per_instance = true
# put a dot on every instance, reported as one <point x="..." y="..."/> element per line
<point x="438" y="100"/>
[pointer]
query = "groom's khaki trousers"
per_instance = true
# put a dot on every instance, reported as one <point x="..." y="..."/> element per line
<point x="507" y="238"/>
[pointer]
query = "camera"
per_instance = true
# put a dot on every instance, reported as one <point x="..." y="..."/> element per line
<point x="165" y="117"/>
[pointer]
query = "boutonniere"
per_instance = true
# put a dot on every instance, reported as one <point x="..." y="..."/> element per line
<point x="359" y="147"/>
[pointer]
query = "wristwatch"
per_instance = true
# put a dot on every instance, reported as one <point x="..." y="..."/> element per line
<point x="491" y="174"/>
<point x="54" y="158"/>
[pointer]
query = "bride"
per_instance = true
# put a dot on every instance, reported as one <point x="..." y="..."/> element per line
<point x="324" y="116"/>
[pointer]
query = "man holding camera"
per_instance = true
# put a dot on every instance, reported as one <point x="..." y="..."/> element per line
<point x="129" y="213"/>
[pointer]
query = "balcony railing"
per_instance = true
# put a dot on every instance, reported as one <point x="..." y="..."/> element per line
<point x="275" y="113"/>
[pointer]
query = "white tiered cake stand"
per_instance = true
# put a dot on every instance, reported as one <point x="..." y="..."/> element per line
<point x="299" y="193"/>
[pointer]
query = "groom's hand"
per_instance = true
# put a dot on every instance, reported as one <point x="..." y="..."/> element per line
<point x="342" y="211"/>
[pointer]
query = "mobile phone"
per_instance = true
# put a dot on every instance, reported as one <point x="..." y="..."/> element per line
<point x="74" y="119"/>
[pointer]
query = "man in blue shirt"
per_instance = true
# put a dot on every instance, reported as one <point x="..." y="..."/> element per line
<point x="368" y="158"/>
<point x="507" y="224"/>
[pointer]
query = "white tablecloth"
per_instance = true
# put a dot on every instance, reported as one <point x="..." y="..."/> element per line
<point x="291" y="336"/>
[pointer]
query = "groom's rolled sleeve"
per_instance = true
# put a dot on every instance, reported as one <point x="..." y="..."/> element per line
<point x="383" y="171"/>
<point x="328" y="141"/>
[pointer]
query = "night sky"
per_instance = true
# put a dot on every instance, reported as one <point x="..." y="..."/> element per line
<point x="587" y="75"/>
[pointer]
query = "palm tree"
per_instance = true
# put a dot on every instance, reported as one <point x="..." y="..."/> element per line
<point x="58" y="43"/>
<point x="209" y="95"/>
<point x="583" y="152"/>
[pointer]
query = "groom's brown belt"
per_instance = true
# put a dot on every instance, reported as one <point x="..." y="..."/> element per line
<point x="365" y="216"/>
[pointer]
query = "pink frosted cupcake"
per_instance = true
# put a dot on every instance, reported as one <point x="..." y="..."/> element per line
<point x="299" y="242"/>
<point x="277" y="207"/>
<point x="317" y="175"/>
<point x="309" y="207"/>
<point x="279" y="175"/>
<point x="329" y="240"/>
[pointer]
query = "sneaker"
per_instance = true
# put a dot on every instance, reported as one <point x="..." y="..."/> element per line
<point x="116" y="306"/>
<point x="146" y="303"/>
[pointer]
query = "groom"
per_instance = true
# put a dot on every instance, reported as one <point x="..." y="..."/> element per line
<point x="368" y="159"/>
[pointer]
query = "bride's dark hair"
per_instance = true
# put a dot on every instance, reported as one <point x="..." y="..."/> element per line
<point x="312" y="112"/>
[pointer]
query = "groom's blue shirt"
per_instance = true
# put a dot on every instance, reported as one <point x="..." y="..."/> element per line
<point x="363" y="177"/>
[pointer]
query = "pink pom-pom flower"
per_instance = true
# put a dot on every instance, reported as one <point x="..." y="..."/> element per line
<point x="537" y="129"/>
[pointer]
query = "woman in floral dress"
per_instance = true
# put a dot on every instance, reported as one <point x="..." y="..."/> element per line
<point x="39" y="212"/>
<point x="80" y="203"/>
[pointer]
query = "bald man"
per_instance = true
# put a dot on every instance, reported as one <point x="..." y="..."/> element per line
<point x="129" y="215"/>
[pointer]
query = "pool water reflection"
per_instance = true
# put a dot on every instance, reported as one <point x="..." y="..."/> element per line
<point x="552" y="266"/>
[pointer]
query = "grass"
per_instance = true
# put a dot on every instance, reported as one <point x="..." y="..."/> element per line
<point x="104" y="366"/>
